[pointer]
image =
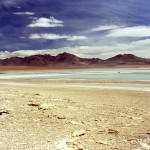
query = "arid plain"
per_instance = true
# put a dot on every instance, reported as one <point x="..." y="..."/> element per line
<point x="74" y="115"/>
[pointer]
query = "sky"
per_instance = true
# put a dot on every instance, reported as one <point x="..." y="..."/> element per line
<point x="86" y="28"/>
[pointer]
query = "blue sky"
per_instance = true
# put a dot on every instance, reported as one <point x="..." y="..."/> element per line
<point x="97" y="28"/>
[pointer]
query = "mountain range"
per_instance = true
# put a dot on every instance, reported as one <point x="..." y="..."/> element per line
<point x="67" y="60"/>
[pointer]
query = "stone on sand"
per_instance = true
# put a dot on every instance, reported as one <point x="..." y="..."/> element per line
<point x="79" y="133"/>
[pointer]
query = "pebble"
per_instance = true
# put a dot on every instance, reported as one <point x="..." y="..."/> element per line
<point x="37" y="94"/>
<point x="34" y="105"/>
<point x="46" y="106"/>
<point x="112" y="131"/>
<point x="61" y="117"/>
<point x="79" y="133"/>
<point x="148" y="133"/>
<point x="4" y="112"/>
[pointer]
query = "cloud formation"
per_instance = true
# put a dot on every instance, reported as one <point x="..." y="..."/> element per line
<point x="99" y="29"/>
<point x="139" y="48"/>
<point x="24" y="13"/>
<point x="134" y="31"/>
<point x="46" y="22"/>
<point x="76" y="38"/>
<point x="105" y="27"/>
<point x="51" y="36"/>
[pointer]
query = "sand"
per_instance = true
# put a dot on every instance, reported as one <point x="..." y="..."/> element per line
<point x="46" y="68"/>
<point x="74" y="115"/>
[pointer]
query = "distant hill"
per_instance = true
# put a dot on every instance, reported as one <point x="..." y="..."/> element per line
<point x="67" y="60"/>
<point x="127" y="59"/>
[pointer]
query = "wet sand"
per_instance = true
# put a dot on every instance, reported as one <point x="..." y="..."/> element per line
<point x="46" y="68"/>
<point x="21" y="68"/>
<point x="74" y="115"/>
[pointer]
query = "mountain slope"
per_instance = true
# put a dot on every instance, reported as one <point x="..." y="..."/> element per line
<point x="127" y="59"/>
<point x="64" y="60"/>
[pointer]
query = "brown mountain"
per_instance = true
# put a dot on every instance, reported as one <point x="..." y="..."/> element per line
<point x="13" y="61"/>
<point x="127" y="59"/>
<point x="66" y="60"/>
<point x="38" y="60"/>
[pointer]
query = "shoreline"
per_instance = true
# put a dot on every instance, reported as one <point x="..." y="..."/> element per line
<point x="101" y="85"/>
<point x="46" y="68"/>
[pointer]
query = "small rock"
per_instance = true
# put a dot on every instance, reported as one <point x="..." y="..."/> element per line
<point x="61" y="117"/>
<point x="96" y="120"/>
<point x="46" y="106"/>
<point x="79" y="133"/>
<point x="148" y="133"/>
<point x="80" y="147"/>
<point x="102" y="142"/>
<point x="37" y="94"/>
<point x="135" y="118"/>
<point x="112" y="131"/>
<point x="4" y="112"/>
<point x="34" y="105"/>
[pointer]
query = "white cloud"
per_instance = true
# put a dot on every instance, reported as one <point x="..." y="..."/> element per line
<point x="139" y="48"/>
<point x="20" y="53"/>
<point x="23" y="53"/>
<point x="24" y="13"/>
<point x="135" y="31"/>
<point x="105" y="27"/>
<point x="75" y="38"/>
<point x="47" y="36"/>
<point x="52" y="36"/>
<point x="5" y="54"/>
<point x="46" y="22"/>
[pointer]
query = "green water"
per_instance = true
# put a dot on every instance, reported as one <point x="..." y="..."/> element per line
<point x="135" y="75"/>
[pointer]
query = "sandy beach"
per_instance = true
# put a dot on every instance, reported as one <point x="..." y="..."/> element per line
<point x="74" y="115"/>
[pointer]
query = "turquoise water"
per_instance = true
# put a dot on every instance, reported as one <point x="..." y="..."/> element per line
<point x="132" y="75"/>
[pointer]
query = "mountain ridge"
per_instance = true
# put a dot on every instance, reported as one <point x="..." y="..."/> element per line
<point x="69" y="60"/>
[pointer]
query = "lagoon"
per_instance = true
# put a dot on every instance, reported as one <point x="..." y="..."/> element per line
<point x="118" y="74"/>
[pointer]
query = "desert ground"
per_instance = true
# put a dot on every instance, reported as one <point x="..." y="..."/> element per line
<point x="74" y="115"/>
